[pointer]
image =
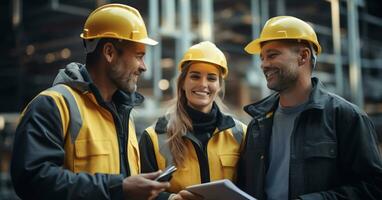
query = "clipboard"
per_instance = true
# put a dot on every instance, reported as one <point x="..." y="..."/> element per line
<point x="221" y="189"/>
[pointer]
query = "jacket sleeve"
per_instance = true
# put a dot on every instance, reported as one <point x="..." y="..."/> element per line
<point x="38" y="157"/>
<point x="358" y="156"/>
<point x="149" y="161"/>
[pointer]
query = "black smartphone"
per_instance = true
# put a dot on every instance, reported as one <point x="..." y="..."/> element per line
<point x="166" y="175"/>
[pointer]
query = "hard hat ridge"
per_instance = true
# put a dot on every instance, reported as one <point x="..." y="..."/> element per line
<point x="116" y="21"/>
<point x="284" y="27"/>
<point x="205" y="52"/>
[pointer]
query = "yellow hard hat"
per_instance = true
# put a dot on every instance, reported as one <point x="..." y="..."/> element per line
<point x="284" y="27"/>
<point x="205" y="52"/>
<point x="116" y="21"/>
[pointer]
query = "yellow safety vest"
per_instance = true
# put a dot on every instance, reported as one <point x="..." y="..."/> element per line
<point x="91" y="141"/>
<point x="223" y="151"/>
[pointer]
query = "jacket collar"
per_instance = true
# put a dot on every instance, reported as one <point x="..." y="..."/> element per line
<point x="223" y="122"/>
<point x="76" y="76"/>
<point x="317" y="99"/>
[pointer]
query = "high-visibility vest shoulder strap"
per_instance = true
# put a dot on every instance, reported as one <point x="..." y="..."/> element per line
<point x="75" y="119"/>
<point x="238" y="132"/>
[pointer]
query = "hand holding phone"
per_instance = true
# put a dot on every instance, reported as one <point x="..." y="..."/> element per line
<point x="166" y="174"/>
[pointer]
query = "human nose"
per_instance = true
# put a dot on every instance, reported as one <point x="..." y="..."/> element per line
<point x="264" y="64"/>
<point x="142" y="66"/>
<point x="203" y="81"/>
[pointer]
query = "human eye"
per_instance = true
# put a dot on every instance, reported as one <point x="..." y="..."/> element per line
<point x="272" y="55"/>
<point x="139" y="55"/>
<point x="194" y="76"/>
<point x="212" y="78"/>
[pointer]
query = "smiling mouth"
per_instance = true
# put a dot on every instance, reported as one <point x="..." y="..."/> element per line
<point x="137" y="75"/>
<point x="269" y="73"/>
<point x="203" y="94"/>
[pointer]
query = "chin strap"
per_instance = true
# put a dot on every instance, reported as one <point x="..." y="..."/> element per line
<point x="90" y="45"/>
<point x="314" y="56"/>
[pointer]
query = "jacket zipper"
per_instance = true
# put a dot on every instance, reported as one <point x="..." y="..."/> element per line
<point x="125" y="132"/>
<point x="119" y="125"/>
<point x="202" y="158"/>
<point x="262" y="156"/>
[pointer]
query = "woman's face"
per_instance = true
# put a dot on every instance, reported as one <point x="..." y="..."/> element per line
<point x="201" y="85"/>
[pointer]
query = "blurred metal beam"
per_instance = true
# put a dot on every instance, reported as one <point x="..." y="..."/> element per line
<point x="354" y="54"/>
<point x="336" y="29"/>
<point x="264" y="12"/>
<point x="206" y="20"/>
<point x="375" y="63"/>
<point x="154" y="52"/>
<point x="168" y="15"/>
<point x="69" y="9"/>
<point x="101" y="2"/>
<point x="17" y="7"/>
<point x="256" y="28"/>
<point x="184" y="40"/>
<point x="16" y="13"/>
<point x="321" y="29"/>
<point x="280" y="7"/>
<point x="371" y="19"/>
<point x="255" y="76"/>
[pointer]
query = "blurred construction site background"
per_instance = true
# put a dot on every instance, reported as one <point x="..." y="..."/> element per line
<point x="38" y="37"/>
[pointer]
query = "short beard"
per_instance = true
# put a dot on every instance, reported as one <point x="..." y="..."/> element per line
<point x="130" y="87"/>
<point x="284" y="83"/>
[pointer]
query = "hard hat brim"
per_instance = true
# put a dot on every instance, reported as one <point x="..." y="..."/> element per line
<point x="147" y="41"/>
<point x="253" y="47"/>
<point x="224" y="69"/>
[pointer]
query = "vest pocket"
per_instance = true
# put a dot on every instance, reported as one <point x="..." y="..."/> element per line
<point x="228" y="163"/>
<point x="92" y="156"/>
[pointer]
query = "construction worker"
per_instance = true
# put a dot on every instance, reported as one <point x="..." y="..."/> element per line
<point x="303" y="141"/>
<point x="76" y="140"/>
<point x="196" y="136"/>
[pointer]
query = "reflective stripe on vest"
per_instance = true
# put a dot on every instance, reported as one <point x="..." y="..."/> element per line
<point x="164" y="149"/>
<point x="237" y="132"/>
<point x="75" y="120"/>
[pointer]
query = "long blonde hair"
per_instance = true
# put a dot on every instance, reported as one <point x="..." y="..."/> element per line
<point x="179" y="122"/>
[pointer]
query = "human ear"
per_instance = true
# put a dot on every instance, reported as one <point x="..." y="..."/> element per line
<point x="303" y="56"/>
<point x="108" y="51"/>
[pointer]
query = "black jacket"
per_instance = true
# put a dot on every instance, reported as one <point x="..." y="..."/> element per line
<point x="333" y="152"/>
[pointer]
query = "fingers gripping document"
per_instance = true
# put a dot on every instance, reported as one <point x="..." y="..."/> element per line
<point x="221" y="190"/>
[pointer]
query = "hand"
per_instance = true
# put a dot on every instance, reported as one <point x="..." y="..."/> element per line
<point x="186" y="195"/>
<point x="143" y="187"/>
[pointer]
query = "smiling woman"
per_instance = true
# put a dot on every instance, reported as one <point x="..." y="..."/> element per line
<point x="195" y="136"/>
<point x="201" y="85"/>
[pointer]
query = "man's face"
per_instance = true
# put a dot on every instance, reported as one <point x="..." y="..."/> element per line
<point x="279" y="62"/>
<point x="129" y="64"/>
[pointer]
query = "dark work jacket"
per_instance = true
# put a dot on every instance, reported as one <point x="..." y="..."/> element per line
<point x="333" y="150"/>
